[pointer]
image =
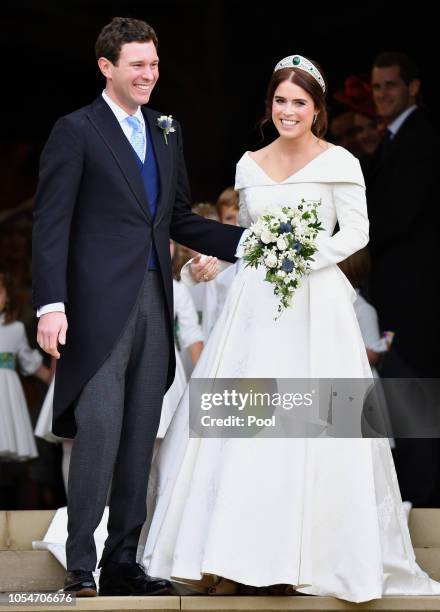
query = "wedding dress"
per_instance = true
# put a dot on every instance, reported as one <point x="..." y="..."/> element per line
<point x="324" y="515"/>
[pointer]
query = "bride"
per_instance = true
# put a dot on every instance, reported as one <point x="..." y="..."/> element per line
<point x="320" y="516"/>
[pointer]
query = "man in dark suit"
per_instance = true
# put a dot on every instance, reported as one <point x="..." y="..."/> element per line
<point x="113" y="188"/>
<point x="404" y="284"/>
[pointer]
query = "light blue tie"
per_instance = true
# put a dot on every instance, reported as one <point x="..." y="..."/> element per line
<point x="137" y="138"/>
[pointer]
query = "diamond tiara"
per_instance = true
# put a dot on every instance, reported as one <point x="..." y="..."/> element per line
<point x="298" y="61"/>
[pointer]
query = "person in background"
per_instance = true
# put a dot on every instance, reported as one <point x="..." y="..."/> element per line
<point x="356" y="268"/>
<point x="358" y="98"/>
<point x="343" y="132"/>
<point x="17" y="441"/>
<point x="216" y="291"/>
<point x="402" y="197"/>
<point x="207" y="211"/>
<point x="43" y="429"/>
<point x="227" y="206"/>
<point x="188" y="343"/>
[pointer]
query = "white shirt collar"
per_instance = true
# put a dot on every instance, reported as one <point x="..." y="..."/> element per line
<point x="395" y="126"/>
<point x="120" y="114"/>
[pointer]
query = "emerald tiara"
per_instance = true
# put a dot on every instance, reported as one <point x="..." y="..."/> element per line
<point x="298" y="61"/>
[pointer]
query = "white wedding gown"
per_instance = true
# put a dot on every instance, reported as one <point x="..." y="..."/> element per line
<point x="322" y="514"/>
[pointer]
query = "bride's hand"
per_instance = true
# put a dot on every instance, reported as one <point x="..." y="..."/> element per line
<point x="203" y="268"/>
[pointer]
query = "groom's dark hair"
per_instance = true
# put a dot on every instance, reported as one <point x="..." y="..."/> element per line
<point x="118" y="32"/>
<point x="408" y="68"/>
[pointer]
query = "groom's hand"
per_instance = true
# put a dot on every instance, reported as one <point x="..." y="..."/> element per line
<point x="204" y="268"/>
<point x="52" y="329"/>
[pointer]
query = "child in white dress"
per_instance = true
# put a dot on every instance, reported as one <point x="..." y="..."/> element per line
<point x="43" y="429"/>
<point x="189" y="338"/>
<point x="216" y="291"/>
<point x="356" y="268"/>
<point x="17" y="441"/>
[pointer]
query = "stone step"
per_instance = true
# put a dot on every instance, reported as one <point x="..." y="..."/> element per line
<point x="424" y="527"/>
<point x="301" y="603"/>
<point x="25" y="570"/>
<point x="18" y="528"/>
<point x="29" y="571"/>
<point x="235" y="604"/>
<point x="107" y="604"/>
<point x="429" y="560"/>
<point x="38" y="570"/>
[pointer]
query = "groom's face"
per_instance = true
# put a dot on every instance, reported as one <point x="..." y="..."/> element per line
<point x="131" y="80"/>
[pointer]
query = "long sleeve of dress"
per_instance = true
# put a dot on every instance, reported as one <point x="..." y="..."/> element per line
<point x="351" y="209"/>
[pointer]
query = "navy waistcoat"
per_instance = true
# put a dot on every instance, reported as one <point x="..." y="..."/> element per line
<point x="150" y="178"/>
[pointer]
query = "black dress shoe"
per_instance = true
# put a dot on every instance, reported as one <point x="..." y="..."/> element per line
<point x="80" y="583"/>
<point x="130" y="579"/>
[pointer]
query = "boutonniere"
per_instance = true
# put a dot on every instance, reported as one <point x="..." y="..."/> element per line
<point x="165" y="122"/>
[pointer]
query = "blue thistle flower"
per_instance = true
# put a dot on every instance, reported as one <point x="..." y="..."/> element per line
<point x="285" y="228"/>
<point x="287" y="266"/>
<point x="163" y="123"/>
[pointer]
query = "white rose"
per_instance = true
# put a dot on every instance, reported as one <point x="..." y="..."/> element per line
<point x="267" y="236"/>
<point x="282" y="243"/>
<point x="271" y="260"/>
<point x="260" y="227"/>
<point x="281" y="274"/>
<point x="257" y="228"/>
<point x="305" y="226"/>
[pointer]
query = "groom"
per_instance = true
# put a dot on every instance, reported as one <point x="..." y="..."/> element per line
<point x="113" y="188"/>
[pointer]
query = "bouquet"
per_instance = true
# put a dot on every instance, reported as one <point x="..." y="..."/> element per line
<point x="284" y="242"/>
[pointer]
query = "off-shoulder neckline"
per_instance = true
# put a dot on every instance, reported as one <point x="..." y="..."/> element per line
<point x="247" y="154"/>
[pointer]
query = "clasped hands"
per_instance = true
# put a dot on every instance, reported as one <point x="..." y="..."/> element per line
<point x="204" y="268"/>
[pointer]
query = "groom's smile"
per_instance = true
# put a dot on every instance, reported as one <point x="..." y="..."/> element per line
<point x="132" y="78"/>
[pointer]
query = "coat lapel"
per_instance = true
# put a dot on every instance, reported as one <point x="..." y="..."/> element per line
<point x="379" y="166"/>
<point x="401" y="135"/>
<point x="399" y="139"/>
<point x="108" y="127"/>
<point x="163" y="152"/>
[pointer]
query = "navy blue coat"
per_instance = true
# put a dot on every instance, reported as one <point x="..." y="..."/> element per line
<point x="404" y="220"/>
<point x="92" y="235"/>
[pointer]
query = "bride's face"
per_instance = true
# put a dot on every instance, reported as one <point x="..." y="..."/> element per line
<point x="292" y="110"/>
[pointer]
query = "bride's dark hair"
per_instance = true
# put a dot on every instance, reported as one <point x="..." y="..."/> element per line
<point x="309" y="84"/>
